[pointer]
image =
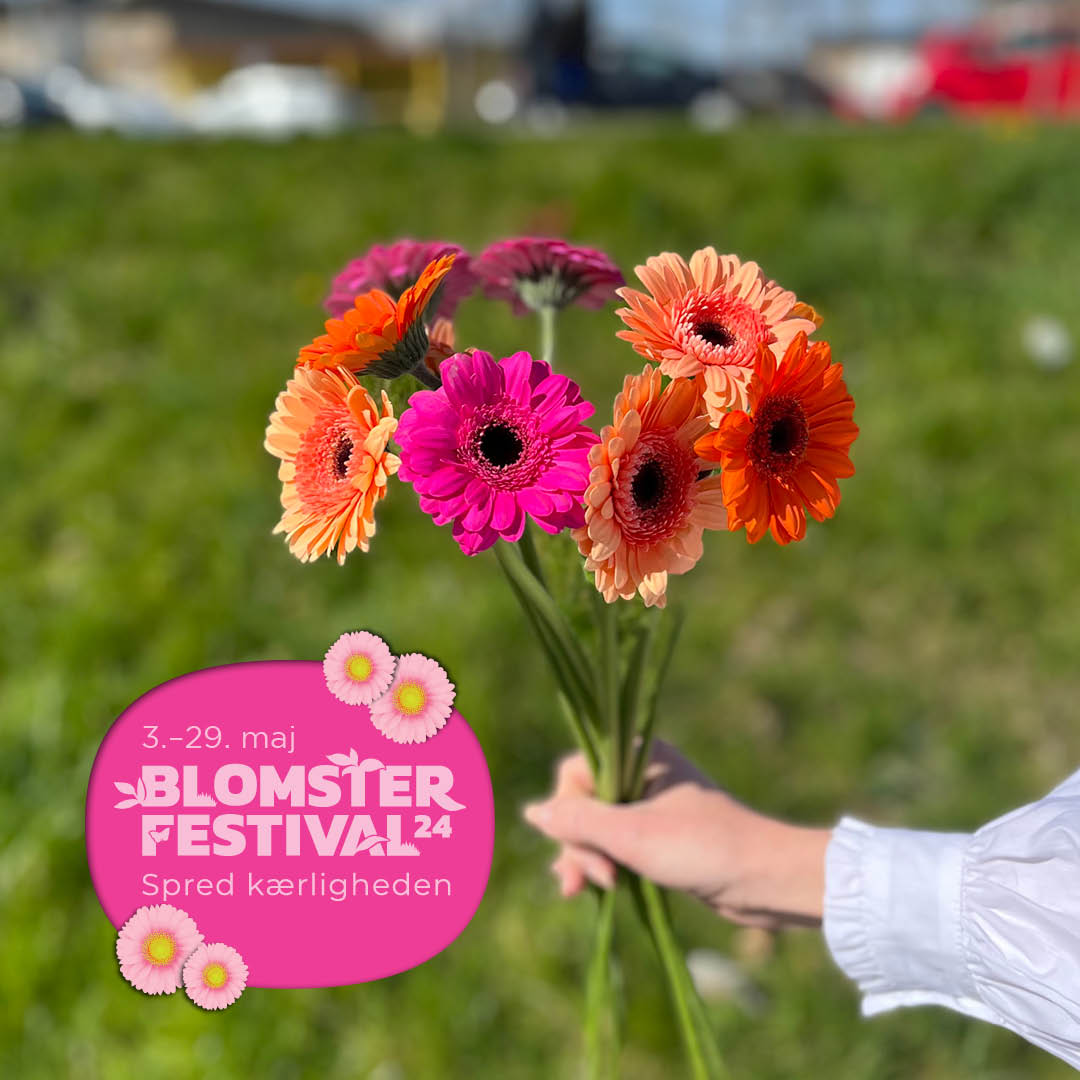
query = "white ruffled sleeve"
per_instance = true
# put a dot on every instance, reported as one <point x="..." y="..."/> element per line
<point x="987" y="924"/>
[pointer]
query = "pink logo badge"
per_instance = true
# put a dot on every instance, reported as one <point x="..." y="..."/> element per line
<point x="287" y="825"/>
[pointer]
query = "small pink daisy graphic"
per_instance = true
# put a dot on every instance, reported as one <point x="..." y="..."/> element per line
<point x="153" y="945"/>
<point x="418" y="702"/>
<point x="358" y="668"/>
<point x="215" y="976"/>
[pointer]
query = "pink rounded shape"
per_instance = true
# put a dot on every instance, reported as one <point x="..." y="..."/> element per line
<point x="215" y="976"/>
<point x="416" y="872"/>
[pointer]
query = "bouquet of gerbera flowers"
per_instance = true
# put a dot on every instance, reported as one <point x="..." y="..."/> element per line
<point x="737" y="420"/>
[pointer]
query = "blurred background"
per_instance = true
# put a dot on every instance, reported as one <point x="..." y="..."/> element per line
<point x="178" y="183"/>
<point x="276" y="68"/>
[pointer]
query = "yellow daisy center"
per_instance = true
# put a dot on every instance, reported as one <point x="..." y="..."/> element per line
<point x="215" y="976"/>
<point x="358" y="668"/>
<point x="159" y="948"/>
<point x="410" y="698"/>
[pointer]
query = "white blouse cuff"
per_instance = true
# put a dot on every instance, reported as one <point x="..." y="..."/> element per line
<point x="893" y="917"/>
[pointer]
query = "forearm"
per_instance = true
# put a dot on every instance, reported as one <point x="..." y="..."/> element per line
<point x="783" y="883"/>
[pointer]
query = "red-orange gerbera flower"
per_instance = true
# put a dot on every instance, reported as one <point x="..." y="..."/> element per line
<point x="789" y="450"/>
<point x="648" y="501"/>
<point x="331" y="438"/>
<point x="378" y="335"/>
<point x="708" y="318"/>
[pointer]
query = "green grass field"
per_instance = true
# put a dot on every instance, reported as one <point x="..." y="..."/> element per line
<point x="913" y="662"/>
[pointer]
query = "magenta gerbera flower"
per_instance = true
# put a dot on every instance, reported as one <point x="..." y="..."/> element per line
<point x="358" y="668"/>
<point x="418" y="702"/>
<point x="215" y="976"/>
<point x="533" y="272"/>
<point x="153" y="945"/>
<point x="394" y="267"/>
<point x="496" y="442"/>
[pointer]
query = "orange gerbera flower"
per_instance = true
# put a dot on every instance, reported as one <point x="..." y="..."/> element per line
<point x="331" y="438"/>
<point x="708" y="318"/>
<point x="378" y="335"/>
<point x="647" y="504"/>
<point x="789" y="450"/>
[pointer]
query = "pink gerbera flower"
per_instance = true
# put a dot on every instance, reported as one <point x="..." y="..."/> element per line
<point x="536" y="272"/>
<point x="215" y="976"/>
<point x="496" y="442"/>
<point x="395" y="267"/>
<point x="358" y="668"/>
<point x="418" y="702"/>
<point x="153" y="945"/>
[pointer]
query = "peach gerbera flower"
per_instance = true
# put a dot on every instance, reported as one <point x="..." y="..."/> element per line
<point x="379" y="335"/>
<point x="785" y="455"/>
<point x="708" y="318"/>
<point x="647" y="503"/>
<point x="332" y="439"/>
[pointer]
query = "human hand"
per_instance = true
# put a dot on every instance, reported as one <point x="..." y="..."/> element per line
<point x="685" y="833"/>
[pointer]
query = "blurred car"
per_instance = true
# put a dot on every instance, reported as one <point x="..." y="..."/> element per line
<point x="273" y="101"/>
<point x="777" y="91"/>
<point x="95" y="106"/>
<point x="1024" y="59"/>
<point x="638" y="80"/>
<point x="26" y="104"/>
<point x="642" y="80"/>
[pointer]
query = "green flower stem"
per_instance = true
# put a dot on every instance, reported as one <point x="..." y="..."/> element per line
<point x="563" y="639"/>
<point x="570" y="700"/>
<point x="648" y="720"/>
<point x="698" y="1038"/>
<point x="585" y="739"/>
<point x="601" y="1027"/>
<point x="604" y="730"/>
<point x="547" y="313"/>
<point x="607" y="627"/>
<point x="531" y="555"/>
<point x="630" y="704"/>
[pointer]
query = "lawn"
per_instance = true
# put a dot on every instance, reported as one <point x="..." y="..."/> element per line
<point x="913" y="662"/>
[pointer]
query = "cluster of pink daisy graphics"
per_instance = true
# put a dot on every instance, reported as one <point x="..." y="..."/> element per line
<point x="160" y="947"/>
<point x="410" y="696"/>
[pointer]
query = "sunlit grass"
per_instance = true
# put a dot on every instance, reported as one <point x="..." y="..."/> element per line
<point x="913" y="661"/>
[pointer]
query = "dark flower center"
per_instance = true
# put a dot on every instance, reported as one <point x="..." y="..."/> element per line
<point x="654" y="489"/>
<point x="786" y="434"/>
<point x="500" y="445"/>
<point x="647" y="487"/>
<point x="781" y="435"/>
<point x="342" y="453"/>
<point x="715" y="334"/>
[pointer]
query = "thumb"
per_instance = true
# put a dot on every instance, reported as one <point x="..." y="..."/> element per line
<point x="577" y="819"/>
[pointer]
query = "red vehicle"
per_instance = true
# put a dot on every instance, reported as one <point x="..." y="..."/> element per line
<point x="1024" y="59"/>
